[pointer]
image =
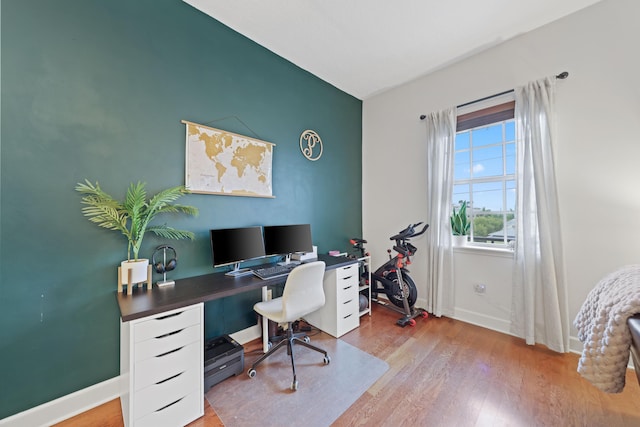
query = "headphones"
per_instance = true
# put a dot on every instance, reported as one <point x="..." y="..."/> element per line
<point x="160" y="266"/>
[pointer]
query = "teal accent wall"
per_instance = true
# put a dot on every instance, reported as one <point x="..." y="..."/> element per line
<point x="96" y="89"/>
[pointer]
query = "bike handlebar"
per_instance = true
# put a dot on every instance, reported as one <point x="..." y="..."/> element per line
<point x="409" y="232"/>
<point x="402" y="246"/>
<point x="421" y="231"/>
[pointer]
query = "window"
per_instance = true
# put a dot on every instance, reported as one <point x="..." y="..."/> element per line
<point x="484" y="173"/>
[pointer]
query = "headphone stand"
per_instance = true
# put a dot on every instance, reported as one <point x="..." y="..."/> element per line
<point x="164" y="282"/>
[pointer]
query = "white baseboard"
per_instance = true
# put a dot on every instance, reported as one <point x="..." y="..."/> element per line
<point x="80" y="401"/>
<point x="248" y="334"/>
<point x="482" y="320"/>
<point x="503" y="326"/>
<point x="66" y="406"/>
<point x="575" y="345"/>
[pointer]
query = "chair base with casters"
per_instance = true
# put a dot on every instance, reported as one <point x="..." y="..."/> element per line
<point x="303" y="294"/>
<point x="288" y="341"/>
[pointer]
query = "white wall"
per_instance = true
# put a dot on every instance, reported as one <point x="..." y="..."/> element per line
<point x="598" y="151"/>
<point x="492" y="269"/>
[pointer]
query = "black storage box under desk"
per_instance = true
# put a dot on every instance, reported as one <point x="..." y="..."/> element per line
<point x="223" y="357"/>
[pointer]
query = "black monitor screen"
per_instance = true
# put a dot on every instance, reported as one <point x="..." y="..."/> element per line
<point x="234" y="245"/>
<point x="287" y="239"/>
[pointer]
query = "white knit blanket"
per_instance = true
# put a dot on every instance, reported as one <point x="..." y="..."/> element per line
<point x="602" y="327"/>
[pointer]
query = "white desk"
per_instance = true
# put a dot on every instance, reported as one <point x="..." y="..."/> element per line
<point x="160" y="325"/>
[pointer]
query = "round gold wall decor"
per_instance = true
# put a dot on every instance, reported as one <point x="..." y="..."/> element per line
<point x="311" y="145"/>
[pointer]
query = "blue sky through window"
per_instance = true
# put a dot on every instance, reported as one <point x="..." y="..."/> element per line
<point x="484" y="153"/>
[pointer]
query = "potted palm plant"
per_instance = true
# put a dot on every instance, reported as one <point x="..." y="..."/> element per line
<point x="132" y="217"/>
<point x="460" y="225"/>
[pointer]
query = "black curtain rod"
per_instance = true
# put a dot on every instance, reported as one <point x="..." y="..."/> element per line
<point x="563" y="75"/>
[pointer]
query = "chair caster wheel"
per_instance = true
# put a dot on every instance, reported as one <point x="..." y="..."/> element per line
<point x="306" y="339"/>
<point x="327" y="360"/>
<point x="251" y="373"/>
<point x="294" y="385"/>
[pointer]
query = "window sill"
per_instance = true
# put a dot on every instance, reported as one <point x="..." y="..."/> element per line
<point x="484" y="250"/>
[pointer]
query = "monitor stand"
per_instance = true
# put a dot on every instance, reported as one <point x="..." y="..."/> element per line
<point x="237" y="271"/>
<point x="287" y="261"/>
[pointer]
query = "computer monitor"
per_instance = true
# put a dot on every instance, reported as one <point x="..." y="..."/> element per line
<point x="231" y="246"/>
<point x="287" y="239"/>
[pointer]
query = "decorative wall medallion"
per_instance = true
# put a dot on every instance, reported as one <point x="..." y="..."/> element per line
<point x="311" y="145"/>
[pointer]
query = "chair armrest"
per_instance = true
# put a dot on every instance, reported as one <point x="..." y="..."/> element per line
<point x="634" y="328"/>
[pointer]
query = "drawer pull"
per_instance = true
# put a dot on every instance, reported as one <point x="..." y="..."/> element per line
<point x="347" y="278"/>
<point x="169" y="315"/>
<point x="170" y="378"/>
<point x="347" y="302"/>
<point x="169" y="352"/>
<point x="169" y="334"/>
<point x="170" y="404"/>
<point x="348" y="287"/>
<point x="348" y="315"/>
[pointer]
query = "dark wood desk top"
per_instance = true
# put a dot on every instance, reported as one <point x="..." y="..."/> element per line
<point x="193" y="290"/>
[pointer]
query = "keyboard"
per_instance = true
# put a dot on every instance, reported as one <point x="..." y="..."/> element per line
<point x="272" y="271"/>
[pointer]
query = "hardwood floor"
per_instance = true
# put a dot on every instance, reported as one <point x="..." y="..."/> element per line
<point x="443" y="372"/>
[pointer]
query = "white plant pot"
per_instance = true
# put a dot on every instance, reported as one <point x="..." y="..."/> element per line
<point x="459" y="240"/>
<point x="138" y="271"/>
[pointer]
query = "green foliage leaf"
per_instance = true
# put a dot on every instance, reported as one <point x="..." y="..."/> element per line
<point x="170" y="232"/>
<point x="132" y="216"/>
<point x="459" y="222"/>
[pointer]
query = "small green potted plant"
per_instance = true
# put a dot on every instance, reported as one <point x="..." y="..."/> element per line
<point x="132" y="217"/>
<point x="460" y="225"/>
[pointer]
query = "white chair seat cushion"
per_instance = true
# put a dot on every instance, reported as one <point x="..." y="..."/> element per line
<point x="272" y="310"/>
<point x="303" y="293"/>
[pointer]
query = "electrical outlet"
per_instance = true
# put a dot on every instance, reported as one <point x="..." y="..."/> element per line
<point x="480" y="288"/>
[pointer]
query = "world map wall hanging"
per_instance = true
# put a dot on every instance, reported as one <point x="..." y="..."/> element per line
<point x="221" y="162"/>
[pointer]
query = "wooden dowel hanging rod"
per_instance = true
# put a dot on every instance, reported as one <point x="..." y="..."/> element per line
<point x="563" y="75"/>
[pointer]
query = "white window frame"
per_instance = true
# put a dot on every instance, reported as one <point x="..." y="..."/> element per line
<point x="504" y="179"/>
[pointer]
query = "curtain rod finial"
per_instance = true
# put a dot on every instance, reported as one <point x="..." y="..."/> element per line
<point x="563" y="75"/>
<point x="422" y="117"/>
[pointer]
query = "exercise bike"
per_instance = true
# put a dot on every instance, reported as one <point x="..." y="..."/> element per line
<point x="392" y="278"/>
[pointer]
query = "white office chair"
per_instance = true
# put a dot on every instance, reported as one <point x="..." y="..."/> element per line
<point x="303" y="294"/>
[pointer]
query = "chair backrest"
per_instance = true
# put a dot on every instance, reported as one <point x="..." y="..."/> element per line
<point x="303" y="292"/>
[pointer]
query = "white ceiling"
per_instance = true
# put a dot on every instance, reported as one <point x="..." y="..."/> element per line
<point x="364" y="47"/>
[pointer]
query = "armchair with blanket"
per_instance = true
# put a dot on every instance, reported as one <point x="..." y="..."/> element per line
<point x="605" y="323"/>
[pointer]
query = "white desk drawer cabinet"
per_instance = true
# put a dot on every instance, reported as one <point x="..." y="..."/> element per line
<point x="163" y="394"/>
<point x="340" y="312"/>
<point x="162" y="368"/>
<point x="172" y="415"/>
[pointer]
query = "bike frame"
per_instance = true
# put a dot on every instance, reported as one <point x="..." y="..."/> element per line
<point x="397" y="264"/>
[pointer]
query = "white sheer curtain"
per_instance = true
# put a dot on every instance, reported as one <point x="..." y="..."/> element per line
<point x="540" y="311"/>
<point x="441" y="132"/>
